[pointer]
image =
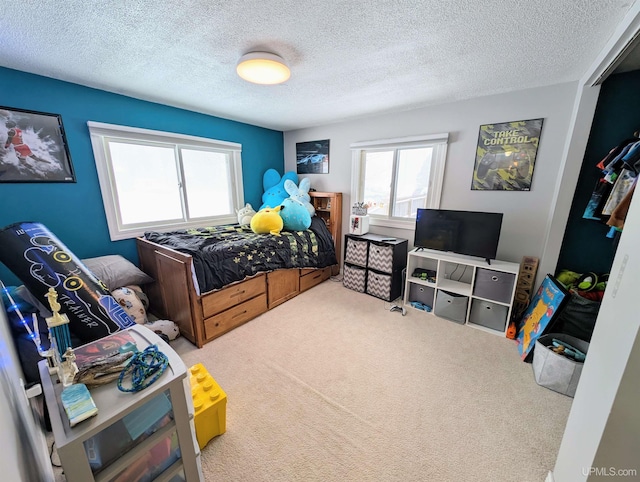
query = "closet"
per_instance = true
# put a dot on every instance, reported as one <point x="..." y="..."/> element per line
<point x="586" y="247"/>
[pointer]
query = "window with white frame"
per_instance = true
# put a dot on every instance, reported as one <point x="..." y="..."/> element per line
<point x="395" y="177"/>
<point x="159" y="181"/>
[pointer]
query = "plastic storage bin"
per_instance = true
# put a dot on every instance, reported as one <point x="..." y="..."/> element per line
<point x="210" y="404"/>
<point x="451" y="306"/>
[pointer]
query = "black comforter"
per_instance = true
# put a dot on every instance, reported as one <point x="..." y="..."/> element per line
<point x="229" y="253"/>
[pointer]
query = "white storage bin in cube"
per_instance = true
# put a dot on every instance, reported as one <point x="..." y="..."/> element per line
<point x="356" y="252"/>
<point x="554" y="371"/>
<point x="490" y="315"/>
<point x="451" y="306"/>
<point x="354" y="278"/>
<point x="494" y="285"/>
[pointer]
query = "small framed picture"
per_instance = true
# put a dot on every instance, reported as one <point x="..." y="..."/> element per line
<point x="312" y="157"/>
<point x="33" y="147"/>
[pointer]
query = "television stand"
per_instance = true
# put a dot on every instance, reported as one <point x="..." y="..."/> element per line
<point x="468" y="290"/>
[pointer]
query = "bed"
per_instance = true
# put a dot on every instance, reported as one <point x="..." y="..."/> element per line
<point x="211" y="280"/>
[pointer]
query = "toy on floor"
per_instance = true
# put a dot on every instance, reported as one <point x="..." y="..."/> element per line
<point x="164" y="327"/>
<point x="267" y="221"/>
<point x="563" y="348"/>
<point x="245" y="214"/>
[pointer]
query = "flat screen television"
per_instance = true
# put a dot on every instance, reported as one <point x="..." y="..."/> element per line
<point x="462" y="232"/>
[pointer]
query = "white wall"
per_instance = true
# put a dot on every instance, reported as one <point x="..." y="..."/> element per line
<point x="525" y="213"/>
<point x="603" y="429"/>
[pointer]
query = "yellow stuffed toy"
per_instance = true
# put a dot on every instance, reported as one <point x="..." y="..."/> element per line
<point x="267" y="220"/>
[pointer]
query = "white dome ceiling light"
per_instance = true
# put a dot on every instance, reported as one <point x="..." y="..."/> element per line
<point x="263" y="68"/>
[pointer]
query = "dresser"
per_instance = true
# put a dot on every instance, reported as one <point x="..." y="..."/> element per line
<point x="374" y="264"/>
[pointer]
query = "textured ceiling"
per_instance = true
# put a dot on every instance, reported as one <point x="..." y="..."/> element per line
<point x="348" y="58"/>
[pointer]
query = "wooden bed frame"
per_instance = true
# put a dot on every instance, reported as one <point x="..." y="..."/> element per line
<point x="201" y="318"/>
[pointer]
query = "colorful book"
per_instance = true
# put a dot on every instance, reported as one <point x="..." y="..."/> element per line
<point x="77" y="403"/>
<point x="104" y="347"/>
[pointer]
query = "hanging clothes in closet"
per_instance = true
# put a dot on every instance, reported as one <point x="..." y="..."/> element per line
<point x="613" y="191"/>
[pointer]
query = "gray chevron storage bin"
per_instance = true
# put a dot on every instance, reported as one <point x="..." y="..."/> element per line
<point x="356" y="252"/>
<point x="381" y="258"/>
<point x="354" y="278"/>
<point x="379" y="285"/>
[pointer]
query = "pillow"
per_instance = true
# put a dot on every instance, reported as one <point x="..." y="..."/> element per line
<point x="115" y="271"/>
<point x="128" y="299"/>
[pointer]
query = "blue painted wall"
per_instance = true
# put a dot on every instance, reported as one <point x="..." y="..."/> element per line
<point x="74" y="211"/>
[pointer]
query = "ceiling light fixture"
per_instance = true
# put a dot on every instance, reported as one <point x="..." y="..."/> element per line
<point x="263" y="68"/>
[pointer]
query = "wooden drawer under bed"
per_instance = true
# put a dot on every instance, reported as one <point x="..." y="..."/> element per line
<point x="201" y="318"/>
<point x="234" y="317"/>
<point x="309" y="277"/>
<point x="218" y="301"/>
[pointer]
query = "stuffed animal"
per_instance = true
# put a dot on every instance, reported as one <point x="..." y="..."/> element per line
<point x="273" y="185"/>
<point x="164" y="327"/>
<point x="267" y="221"/>
<point x="245" y="214"/>
<point x="298" y="212"/>
<point x="301" y="194"/>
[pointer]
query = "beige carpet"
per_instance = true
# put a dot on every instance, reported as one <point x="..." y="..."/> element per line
<point x="333" y="386"/>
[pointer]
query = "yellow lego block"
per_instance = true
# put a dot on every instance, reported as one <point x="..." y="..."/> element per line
<point x="210" y="404"/>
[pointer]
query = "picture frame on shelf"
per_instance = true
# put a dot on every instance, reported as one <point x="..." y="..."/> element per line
<point x="33" y="147"/>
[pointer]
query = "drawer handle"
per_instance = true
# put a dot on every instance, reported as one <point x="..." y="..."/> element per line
<point x="317" y="276"/>
<point x="238" y="293"/>
<point x="494" y="278"/>
<point x="239" y="314"/>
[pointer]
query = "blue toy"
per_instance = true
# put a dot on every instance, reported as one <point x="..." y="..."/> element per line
<point x="273" y="185"/>
<point x="420" y="306"/>
<point x="297" y="210"/>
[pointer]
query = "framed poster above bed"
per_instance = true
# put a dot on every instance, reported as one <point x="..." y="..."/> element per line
<point x="33" y="147"/>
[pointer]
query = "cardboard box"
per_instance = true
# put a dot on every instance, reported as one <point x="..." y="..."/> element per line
<point x="555" y="371"/>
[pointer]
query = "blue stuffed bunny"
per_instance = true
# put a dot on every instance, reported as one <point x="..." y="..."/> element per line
<point x="297" y="210"/>
<point x="273" y="185"/>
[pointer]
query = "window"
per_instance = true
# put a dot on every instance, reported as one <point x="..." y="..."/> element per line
<point x="395" y="177"/>
<point x="159" y="181"/>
